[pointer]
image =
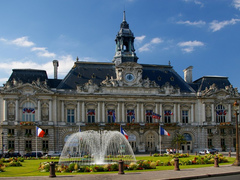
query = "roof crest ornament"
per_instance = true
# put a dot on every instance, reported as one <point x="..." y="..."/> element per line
<point x="124" y="16"/>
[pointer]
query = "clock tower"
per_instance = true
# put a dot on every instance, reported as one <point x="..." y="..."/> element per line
<point x="125" y="51"/>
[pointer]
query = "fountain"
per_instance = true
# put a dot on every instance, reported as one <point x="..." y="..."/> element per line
<point x="92" y="147"/>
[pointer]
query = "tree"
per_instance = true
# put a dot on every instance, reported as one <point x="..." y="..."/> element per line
<point x="178" y="140"/>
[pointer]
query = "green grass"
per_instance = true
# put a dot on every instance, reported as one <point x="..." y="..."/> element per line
<point x="30" y="167"/>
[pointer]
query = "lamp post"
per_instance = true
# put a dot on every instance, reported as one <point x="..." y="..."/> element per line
<point x="236" y="108"/>
<point x="2" y="145"/>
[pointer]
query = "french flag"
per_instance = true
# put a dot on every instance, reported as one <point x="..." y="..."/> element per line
<point x="163" y="132"/>
<point x="124" y="133"/>
<point x="40" y="132"/>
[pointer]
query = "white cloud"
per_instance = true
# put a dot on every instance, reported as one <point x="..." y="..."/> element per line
<point x="22" y="41"/>
<point x="216" y="26"/>
<point x="139" y="39"/>
<point x="195" y="23"/>
<point x="150" y="45"/>
<point x="198" y="2"/>
<point x="236" y="4"/>
<point x="188" y="46"/>
<point x="43" y="52"/>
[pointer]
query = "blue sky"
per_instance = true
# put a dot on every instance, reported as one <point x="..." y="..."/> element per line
<point x="199" y="33"/>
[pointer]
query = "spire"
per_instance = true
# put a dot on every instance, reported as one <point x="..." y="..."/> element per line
<point x="124" y="16"/>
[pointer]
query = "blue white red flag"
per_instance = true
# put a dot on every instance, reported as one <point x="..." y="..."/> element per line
<point x="39" y="132"/>
<point x="163" y="132"/>
<point x="124" y="133"/>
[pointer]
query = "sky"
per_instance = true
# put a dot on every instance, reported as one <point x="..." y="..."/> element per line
<point x="199" y="33"/>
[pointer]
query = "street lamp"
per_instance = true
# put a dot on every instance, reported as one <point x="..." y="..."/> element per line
<point x="2" y="145"/>
<point x="236" y="108"/>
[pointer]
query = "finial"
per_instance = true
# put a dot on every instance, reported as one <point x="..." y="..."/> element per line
<point x="124" y="16"/>
<point x="77" y="58"/>
<point x="169" y="63"/>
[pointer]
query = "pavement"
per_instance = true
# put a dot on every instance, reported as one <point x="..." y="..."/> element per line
<point x="194" y="173"/>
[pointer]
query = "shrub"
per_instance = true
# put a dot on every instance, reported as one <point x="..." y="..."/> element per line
<point x="153" y="165"/>
<point x="114" y="167"/>
<point x="133" y="166"/>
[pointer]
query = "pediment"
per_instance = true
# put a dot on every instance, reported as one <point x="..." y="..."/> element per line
<point x="27" y="89"/>
<point x="213" y="91"/>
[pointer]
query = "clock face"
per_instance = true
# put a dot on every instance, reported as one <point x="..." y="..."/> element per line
<point x="129" y="77"/>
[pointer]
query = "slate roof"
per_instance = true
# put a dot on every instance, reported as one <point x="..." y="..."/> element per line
<point x="207" y="81"/>
<point x="83" y="71"/>
<point x="30" y="75"/>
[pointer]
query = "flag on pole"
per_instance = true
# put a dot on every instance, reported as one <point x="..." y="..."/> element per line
<point x="124" y="133"/>
<point x="163" y="132"/>
<point x="39" y="132"/>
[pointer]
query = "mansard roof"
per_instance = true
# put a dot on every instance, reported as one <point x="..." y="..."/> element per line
<point x="82" y="72"/>
<point x="206" y="81"/>
<point x="30" y="75"/>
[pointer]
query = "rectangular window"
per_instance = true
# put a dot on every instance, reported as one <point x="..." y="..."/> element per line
<point x="209" y="131"/>
<point x="70" y="115"/>
<point x="185" y="117"/>
<point x="28" y="132"/>
<point x="10" y="144"/>
<point x="130" y="116"/>
<point x="149" y="116"/>
<point x="28" y="145"/>
<point x="222" y="142"/>
<point x="209" y="143"/>
<point x="91" y="115"/>
<point x="28" y="112"/>
<point x="45" y="145"/>
<point x="222" y="132"/>
<point x="46" y="132"/>
<point x="167" y="116"/>
<point x="111" y="116"/>
<point x="10" y="132"/>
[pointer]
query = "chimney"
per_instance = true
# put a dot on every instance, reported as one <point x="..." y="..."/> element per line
<point x="188" y="74"/>
<point x="55" y="65"/>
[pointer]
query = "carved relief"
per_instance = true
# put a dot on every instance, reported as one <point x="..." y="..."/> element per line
<point x="45" y="112"/>
<point x="208" y="113"/>
<point x="11" y="111"/>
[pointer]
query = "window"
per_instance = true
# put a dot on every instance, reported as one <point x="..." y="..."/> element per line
<point x="130" y="116"/>
<point x="149" y="116"/>
<point x="46" y="132"/>
<point x="185" y="117"/>
<point x="10" y="145"/>
<point x="28" y="132"/>
<point x="70" y="115"/>
<point x="222" y="142"/>
<point x="111" y="116"/>
<point x="209" y="131"/>
<point x="28" y="145"/>
<point x="222" y="132"/>
<point x="91" y="115"/>
<point x="45" y="145"/>
<point x="10" y="132"/>
<point x="167" y="116"/>
<point x="220" y="114"/>
<point x="28" y="113"/>
<point x="210" y="143"/>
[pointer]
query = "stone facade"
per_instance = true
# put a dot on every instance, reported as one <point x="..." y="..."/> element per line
<point x="103" y="96"/>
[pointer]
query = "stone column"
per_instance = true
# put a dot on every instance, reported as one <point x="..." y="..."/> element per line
<point x="229" y="113"/>
<point x="62" y="109"/>
<point x="83" y="112"/>
<point x="39" y="110"/>
<point x="156" y="111"/>
<point x="78" y="111"/>
<point x="123" y="112"/>
<point x="4" y="110"/>
<point x="192" y="113"/>
<point x="98" y="112"/>
<point x="213" y="113"/>
<point x="16" y="110"/>
<point x="204" y="112"/>
<point x="179" y="113"/>
<point x="143" y="113"/>
<point x="137" y="116"/>
<point x="175" y="113"/>
<point x="118" y="113"/>
<point x="103" y="112"/>
<point x="161" y="112"/>
<point x="50" y="110"/>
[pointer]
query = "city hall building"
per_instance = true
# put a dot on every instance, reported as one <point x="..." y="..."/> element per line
<point x="103" y="96"/>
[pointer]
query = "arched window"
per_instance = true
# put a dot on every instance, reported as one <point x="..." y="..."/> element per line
<point x="220" y="113"/>
<point x="28" y="112"/>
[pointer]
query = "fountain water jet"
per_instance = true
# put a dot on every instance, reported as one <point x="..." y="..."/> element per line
<point x="92" y="147"/>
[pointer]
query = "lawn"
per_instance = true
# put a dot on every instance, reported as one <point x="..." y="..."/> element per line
<point x="30" y="167"/>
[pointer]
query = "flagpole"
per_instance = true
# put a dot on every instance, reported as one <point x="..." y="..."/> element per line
<point x="36" y="141"/>
<point x="160" y="139"/>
